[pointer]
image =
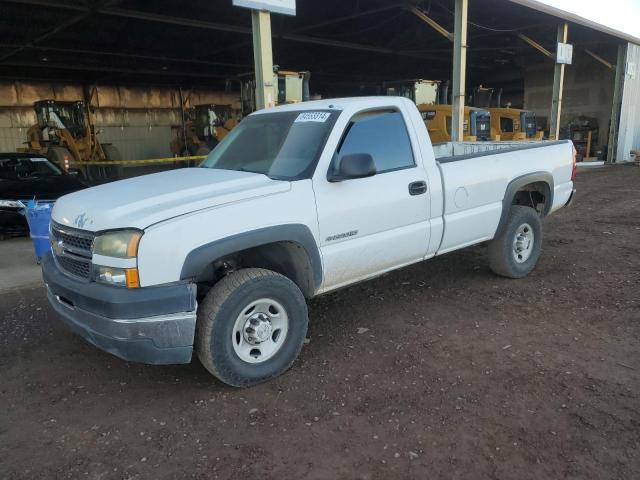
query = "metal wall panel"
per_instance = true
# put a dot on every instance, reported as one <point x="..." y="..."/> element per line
<point x="12" y="138"/>
<point x="629" y="129"/>
<point x="139" y="143"/>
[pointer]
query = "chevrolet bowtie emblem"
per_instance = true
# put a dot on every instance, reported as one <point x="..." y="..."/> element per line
<point x="57" y="247"/>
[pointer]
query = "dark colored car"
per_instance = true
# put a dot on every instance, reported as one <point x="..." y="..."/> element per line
<point x="29" y="176"/>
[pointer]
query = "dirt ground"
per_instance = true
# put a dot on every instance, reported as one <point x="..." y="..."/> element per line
<point x="461" y="374"/>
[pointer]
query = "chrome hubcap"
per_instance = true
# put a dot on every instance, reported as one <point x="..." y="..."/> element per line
<point x="260" y="330"/>
<point x="523" y="243"/>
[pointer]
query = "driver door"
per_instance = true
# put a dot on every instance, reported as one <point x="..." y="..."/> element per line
<point x="373" y="224"/>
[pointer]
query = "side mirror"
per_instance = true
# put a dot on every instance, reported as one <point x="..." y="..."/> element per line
<point x="354" y="165"/>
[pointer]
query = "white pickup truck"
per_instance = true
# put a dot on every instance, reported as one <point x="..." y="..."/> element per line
<point x="296" y="201"/>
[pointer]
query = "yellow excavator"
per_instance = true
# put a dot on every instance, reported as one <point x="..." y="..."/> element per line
<point x="431" y="98"/>
<point x="65" y="133"/>
<point x="506" y="123"/>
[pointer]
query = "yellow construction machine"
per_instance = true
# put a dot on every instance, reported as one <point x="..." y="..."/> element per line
<point x="506" y="123"/>
<point x="66" y="134"/>
<point x="206" y="125"/>
<point x="288" y="87"/>
<point x="431" y="98"/>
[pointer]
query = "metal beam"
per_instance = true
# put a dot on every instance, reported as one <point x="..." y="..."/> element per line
<point x="52" y="4"/>
<point x="535" y="45"/>
<point x="46" y="48"/>
<point x="431" y="22"/>
<point x="345" y="18"/>
<point x="171" y="20"/>
<point x="558" y="84"/>
<point x="459" y="69"/>
<point x="263" y="59"/>
<point x="107" y="69"/>
<point x="598" y="58"/>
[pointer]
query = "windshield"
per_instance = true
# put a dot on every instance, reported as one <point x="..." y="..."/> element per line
<point x="282" y="145"/>
<point x="62" y="115"/>
<point x="22" y="168"/>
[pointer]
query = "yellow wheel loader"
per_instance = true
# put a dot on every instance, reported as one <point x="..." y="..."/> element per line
<point x="438" y="118"/>
<point x="206" y="126"/>
<point x="66" y="134"/>
<point x="288" y="87"/>
<point x="506" y="123"/>
<point x="431" y="98"/>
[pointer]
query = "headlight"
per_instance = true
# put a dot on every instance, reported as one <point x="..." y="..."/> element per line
<point x="119" y="277"/>
<point x="119" y="244"/>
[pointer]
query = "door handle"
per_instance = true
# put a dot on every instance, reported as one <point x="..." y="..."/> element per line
<point x="417" y="188"/>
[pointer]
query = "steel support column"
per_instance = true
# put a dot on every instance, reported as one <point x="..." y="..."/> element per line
<point x="558" y="84"/>
<point x="263" y="58"/>
<point x="459" y="69"/>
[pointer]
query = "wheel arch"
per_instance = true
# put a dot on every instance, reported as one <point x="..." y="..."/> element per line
<point x="290" y="250"/>
<point x="541" y="182"/>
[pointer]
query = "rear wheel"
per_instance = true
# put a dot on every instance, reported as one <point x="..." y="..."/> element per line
<point x="515" y="252"/>
<point x="251" y="327"/>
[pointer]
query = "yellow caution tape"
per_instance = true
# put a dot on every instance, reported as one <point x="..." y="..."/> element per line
<point x="141" y="162"/>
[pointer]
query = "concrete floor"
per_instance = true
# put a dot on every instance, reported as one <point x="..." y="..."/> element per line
<point x="18" y="267"/>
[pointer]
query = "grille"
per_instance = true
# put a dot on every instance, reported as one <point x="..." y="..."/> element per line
<point x="72" y="250"/>
<point x="70" y="238"/>
<point x="483" y="128"/>
<point x="79" y="268"/>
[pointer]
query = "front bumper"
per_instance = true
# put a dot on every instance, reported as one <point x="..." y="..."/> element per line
<point x="153" y="325"/>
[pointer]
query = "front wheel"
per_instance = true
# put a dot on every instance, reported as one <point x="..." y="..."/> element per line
<point x="251" y="327"/>
<point x="515" y="252"/>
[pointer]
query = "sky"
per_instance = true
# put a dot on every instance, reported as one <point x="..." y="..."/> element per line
<point x="622" y="15"/>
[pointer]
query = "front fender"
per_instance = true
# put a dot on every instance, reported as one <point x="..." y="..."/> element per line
<point x="200" y="258"/>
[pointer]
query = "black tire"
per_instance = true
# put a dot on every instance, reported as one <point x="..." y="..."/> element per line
<point x="502" y="253"/>
<point x="217" y="315"/>
<point x="203" y="150"/>
<point x="111" y="153"/>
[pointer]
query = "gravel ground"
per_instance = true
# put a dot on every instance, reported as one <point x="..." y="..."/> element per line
<point x="439" y="370"/>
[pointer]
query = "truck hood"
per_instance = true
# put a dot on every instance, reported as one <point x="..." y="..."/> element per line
<point x="143" y="201"/>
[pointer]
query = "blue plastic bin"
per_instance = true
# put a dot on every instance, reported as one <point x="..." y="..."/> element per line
<point x="38" y="218"/>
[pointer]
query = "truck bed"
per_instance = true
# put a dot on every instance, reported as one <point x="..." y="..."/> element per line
<point x="475" y="177"/>
<point x="454" y="151"/>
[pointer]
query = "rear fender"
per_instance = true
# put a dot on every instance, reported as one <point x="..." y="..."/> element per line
<point x="517" y="184"/>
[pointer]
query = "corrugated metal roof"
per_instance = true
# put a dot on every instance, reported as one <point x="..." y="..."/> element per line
<point x="633" y="37"/>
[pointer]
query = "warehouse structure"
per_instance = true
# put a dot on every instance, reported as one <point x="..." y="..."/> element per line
<point x="145" y="62"/>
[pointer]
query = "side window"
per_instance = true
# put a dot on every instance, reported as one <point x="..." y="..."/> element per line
<point x="381" y="134"/>
<point x="506" y="124"/>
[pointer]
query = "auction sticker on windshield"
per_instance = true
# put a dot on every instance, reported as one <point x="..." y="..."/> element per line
<point x="313" y="117"/>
